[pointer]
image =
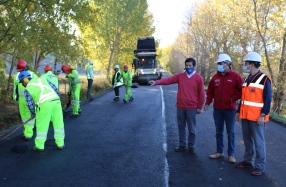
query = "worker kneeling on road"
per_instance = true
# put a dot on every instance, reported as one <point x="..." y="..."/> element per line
<point x="45" y="96"/>
<point x="74" y="89"/>
<point x="18" y="95"/>
<point x="127" y="81"/>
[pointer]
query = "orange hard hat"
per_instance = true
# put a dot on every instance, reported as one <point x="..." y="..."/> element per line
<point x="48" y="68"/>
<point x="66" y="69"/>
<point x="21" y="65"/>
<point x="125" y="67"/>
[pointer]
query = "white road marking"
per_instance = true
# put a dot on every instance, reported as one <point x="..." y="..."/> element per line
<point x="166" y="168"/>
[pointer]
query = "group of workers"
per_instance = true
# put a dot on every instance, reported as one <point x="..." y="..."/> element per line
<point x="39" y="101"/>
<point x="40" y="104"/>
<point x="225" y="90"/>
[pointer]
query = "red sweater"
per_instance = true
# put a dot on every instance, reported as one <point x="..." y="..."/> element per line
<point x="225" y="90"/>
<point x="191" y="93"/>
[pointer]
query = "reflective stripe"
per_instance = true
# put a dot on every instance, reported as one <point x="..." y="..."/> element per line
<point x="41" y="133"/>
<point x="252" y="103"/>
<point x="41" y="138"/>
<point x="255" y="85"/>
<point x="59" y="135"/>
<point x="260" y="78"/>
<point x="59" y="130"/>
<point x="44" y="97"/>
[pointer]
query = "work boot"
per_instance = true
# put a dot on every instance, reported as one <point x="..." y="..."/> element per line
<point x="26" y="138"/>
<point x="216" y="155"/>
<point x="131" y="99"/>
<point x="124" y="101"/>
<point x="116" y="99"/>
<point x="61" y="147"/>
<point x="74" y="116"/>
<point x="37" y="149"/>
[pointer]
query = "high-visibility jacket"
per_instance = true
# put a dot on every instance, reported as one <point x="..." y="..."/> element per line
<point x="89" y="72"/>
<point x="252" y="98"/>
<point x="41" y="91"/>
<point x="117" y="79"/>
<point x="127" y="78"/>
<point x="73" y="79"/>
<point x="52" y="78"/>
<point x="18" y="89"/>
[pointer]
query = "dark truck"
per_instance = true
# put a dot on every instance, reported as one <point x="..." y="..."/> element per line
<point x="144" y="62"/>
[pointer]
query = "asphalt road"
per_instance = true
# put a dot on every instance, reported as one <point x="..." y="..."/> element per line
<point x="132" y="144"/>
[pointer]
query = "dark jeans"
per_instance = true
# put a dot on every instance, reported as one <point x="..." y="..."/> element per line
<point x="116" y="91"/>
<point x="89" y="86"/>
<point x="226" y="117"/>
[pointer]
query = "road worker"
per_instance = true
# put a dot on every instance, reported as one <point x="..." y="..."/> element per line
<point x="253" y="110"/>
<point x="90" y="77"/>
<point x="127" y="81"/>
<point x="43" y="94"/>
<point x="50" y="76"/>
<point x="74" y="89"/>
<point x="116" y="82"/>
<point x="18" y="95"/>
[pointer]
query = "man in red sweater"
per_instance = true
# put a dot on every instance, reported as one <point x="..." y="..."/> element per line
<point x="224" y="89"/>
<point x="190" y="100"/>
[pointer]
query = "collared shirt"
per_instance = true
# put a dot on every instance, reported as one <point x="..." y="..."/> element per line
<point x="190" y="75"/>
<point x="30" y="102"/>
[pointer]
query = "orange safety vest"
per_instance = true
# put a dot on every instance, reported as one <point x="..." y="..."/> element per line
<point x="252" y="98"/>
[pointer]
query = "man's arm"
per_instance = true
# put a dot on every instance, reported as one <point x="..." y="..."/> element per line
<point x="30" y="102"/>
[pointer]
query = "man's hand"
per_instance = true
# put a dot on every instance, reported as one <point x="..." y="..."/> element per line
<point x="237" y="117"/>
<point x="198" y="111"/>
<point x="152" y="83"/>
<point x="260" y="120"/>
<point x="206" y="107"/>
<point x="33" y="116"/>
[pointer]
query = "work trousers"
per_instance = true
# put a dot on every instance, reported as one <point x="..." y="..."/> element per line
<point x="187" y="118"/>
<point x="75" y="95"/>
<point x="128" y="93"/>
<point x="116" y="91"/>
<point x="25" y="115"/>
<point x="49" y="111"/>
<point x="254" y="142"/>
<point x="89" y="86"/>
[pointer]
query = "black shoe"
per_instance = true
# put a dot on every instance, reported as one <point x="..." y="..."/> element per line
<point x="192" y="151"/>
<point x="26" y="138"/>
<point x="124" y="101"/>
<point x="131" y="99"/>
<point x="79" y="111"/>
<point x="180" y="149"/>
<point x="61" y="147"/>
<point x="116" y="99"/>
<point x="74" y="116"/>
<point x="37" y="149"/>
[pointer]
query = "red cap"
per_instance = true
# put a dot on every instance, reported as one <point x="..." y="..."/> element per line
<point x="125" y="67"/>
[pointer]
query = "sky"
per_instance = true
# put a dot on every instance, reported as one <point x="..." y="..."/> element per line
<point x="168" y="18"/>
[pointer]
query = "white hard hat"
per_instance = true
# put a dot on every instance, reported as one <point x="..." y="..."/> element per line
<point x="253" y="56"/>
<point x="223" y="58"/>
<point x="91" y="62"/>
<point x="116" y="66"/>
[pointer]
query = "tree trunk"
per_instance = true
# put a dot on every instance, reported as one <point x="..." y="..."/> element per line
<point x="281" y="81"/>
<point x="10" y="73"/>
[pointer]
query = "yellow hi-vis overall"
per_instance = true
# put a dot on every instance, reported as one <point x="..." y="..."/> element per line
<point x="74" y="89"/>
<point x="127" y="80"/>
<point x="18" y="95"/>
<point x="49" y="108"/>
